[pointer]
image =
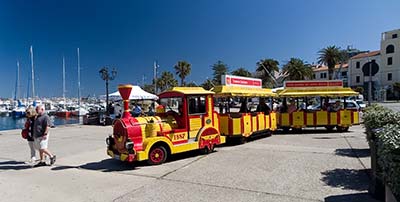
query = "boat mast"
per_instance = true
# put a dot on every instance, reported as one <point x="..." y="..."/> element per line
<point x="64" y="78"/>
<point x="32" y="74"/>
<point x="16" y="95"/>
<point x="79" y="79"/>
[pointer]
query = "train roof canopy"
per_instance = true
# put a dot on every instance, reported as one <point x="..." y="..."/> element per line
<point x="328" y="92"/>
<point x="189" y="91"/>
<point x="238" y="91"/>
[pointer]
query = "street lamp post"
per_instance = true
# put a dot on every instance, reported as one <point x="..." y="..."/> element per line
<point x="370" y="82"/>
<point x="107" y="76"/>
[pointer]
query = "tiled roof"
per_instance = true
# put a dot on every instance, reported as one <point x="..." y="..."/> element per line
<point x="368" y="54"/>
<point x="325" y="68"/>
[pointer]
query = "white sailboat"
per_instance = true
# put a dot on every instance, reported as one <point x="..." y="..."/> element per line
<point x="63" y="111"/>
<point x="79" y="111"/>
<point x="19" y="108"/>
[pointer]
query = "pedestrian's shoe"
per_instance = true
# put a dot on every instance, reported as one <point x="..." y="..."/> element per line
<point x="40" y="164"/>
<point x="52" y="159"/>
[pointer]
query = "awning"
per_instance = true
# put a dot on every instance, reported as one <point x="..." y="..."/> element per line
<point x="137" y="93"/>
<point x="325" y="92"/>
<point x="236" y="91"/>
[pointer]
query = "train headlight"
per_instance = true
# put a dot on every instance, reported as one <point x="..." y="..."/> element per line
<point x="129" y="145"/>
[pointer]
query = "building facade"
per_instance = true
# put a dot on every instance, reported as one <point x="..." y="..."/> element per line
<point x="387" y="61"/>
<point x="340" y="72"/>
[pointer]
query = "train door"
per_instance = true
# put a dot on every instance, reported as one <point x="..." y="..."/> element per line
<point x="196" y="112"/>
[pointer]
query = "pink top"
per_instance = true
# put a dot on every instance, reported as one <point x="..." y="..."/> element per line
<point x="292" y="108"/>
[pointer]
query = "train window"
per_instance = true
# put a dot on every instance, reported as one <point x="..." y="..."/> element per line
<point x="197" y="104"/>
<point x="172" y="104"/>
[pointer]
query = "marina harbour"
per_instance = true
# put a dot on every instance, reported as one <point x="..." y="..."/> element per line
<point x="9" y="123"/>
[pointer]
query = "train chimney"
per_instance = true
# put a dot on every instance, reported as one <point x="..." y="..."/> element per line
<point x="125" y="92"/>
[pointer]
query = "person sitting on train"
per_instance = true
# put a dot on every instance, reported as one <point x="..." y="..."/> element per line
<point x="283" y="108"/>
<point x="243" y="107"/>
<point x="335" y="107"/>
<point x="137" y="110"/>
<point x="262" y="107"/>
<point x="292" y="106"/>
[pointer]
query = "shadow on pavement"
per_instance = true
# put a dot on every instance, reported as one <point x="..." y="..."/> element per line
<point x="14" y="165"/>
<point x="359" y="197"/>
<point x="318" y="131"/>
<point x="351" y="179"/>
<point x="108" y="165"/>
<point x="360" y="153"/>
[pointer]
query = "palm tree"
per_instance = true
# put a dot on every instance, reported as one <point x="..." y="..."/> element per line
<point x="266" y="69"/>
<point x="241" y="72"/>
<point x="182" y="69"/>
<point x="219" y="69"/>
<point x="296" y="69"/>
<point x="166" y="81"/>
<point x="330" y="56"/>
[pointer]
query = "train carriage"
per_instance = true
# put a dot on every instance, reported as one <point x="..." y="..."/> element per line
<point x="322" y="117"/>
<point x="241" y="125"/>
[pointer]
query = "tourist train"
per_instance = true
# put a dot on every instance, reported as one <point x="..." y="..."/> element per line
<point x="186" y="118"/>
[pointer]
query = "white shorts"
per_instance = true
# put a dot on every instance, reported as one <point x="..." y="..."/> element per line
<point x="42" y="143"/>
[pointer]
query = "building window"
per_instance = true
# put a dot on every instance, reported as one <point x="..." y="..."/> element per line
<point x="373" y="61"/>
<point x="344" y="74"/>
<point x="389" y="76"/>
<point x="358" y="65"/>
<point x="357" y="79"/>
<point x="394" y="36"/>
<point x="389" y="61"/>
<point x="322" y="75"/>
<point x="389" y="49"/>
<point x="313" y="76"/>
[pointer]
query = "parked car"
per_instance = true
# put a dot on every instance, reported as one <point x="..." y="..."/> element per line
<point x="361" y="104"/>
<point x="350" y="104"/>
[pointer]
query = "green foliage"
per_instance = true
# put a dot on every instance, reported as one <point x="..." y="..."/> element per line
<point x="148" y="88"/>
<point x="359" y="89"/>
<point x="375" y="117"/>
<point x="388" y="141"/>
<point x="166" y="81"/>
<point x="219" y="69"/>
<point x="266" y="69"/>
<point x="182" y="69"/>
<point x="296" y="69"/>
<point x="330" y="56"/>
<point x="241" y="72"/>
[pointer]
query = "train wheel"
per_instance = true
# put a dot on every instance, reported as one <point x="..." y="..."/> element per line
<point x="242" y="140"/>
<point x="329" y="128"/>
<point x="207" y="149"/>
<point x="342" y="129"/>
<point x="157" y="155"/>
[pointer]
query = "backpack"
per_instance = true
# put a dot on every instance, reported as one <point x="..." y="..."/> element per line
<point x="25" y="131"/>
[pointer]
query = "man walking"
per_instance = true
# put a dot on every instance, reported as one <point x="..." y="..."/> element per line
<point x="41" y="135"/>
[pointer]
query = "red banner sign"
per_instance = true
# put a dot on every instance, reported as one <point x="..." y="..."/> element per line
<point x="313" y="84"/>
<point x="241" y="81"/>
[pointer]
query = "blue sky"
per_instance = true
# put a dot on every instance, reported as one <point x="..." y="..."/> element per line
<point x="130" y="35"/>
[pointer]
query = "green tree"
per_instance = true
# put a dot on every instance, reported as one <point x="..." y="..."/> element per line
<point x="266" y="69"/>
<point x="359" y="89"/>
<point x="241" y="72"/>
<point x="296" y="69"/>
<point x="330" y="56"/>
<point x="207" y="84"/>
<point x="182" y="69"/>
<point x="166" y="81"/>
<point x="148" y="88"/>
<point x="219" y="69"/>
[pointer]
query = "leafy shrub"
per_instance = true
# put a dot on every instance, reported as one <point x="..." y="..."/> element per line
<point x="388" y="140"/>
<point x="375" y="117"/>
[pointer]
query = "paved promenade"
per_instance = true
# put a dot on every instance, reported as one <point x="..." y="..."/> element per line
<point x="315" y="166"/>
